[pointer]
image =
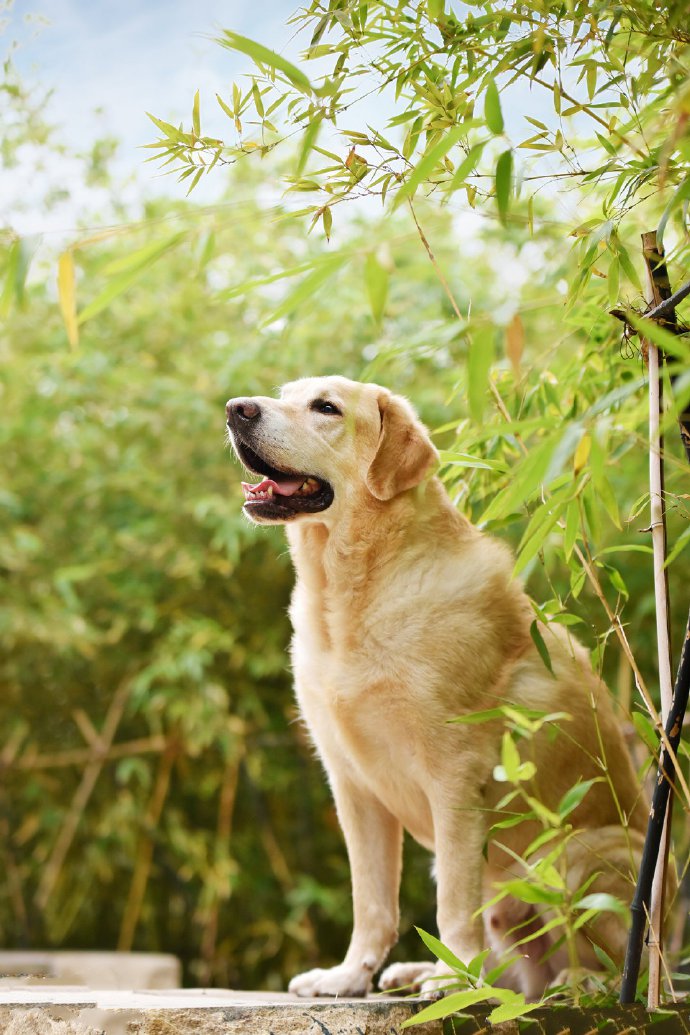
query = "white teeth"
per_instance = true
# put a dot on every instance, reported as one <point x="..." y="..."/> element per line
<point x="269" y="491"/>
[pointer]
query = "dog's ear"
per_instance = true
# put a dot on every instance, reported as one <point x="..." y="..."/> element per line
<point x="405" y="453"/>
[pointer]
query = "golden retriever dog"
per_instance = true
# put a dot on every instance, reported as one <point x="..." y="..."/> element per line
<point x="405" y="616"/>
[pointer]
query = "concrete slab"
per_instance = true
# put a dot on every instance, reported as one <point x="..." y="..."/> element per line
<point x="93" y="969"/>
<point x="78" y="1011"/>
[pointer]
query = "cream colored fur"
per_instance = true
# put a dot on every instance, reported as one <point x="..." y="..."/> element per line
<point x="404" y="617"/>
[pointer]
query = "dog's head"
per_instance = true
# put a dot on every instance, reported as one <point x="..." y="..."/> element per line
<point x="324" y="442"/>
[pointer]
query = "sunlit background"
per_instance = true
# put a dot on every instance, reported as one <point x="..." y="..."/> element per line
<point x="158" y="792"/>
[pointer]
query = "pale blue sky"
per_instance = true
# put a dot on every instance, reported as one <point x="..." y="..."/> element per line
<point x="109" y="62"/>
<point x="128" y="57"/>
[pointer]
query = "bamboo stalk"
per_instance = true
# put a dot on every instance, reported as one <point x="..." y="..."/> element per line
<point x="82" y="794"/>
<point x="658" y="289"/>
<point x="658" y="525"/>
<point x="144" y="857"/>
<point x="226" y="808"/>
<point x="665" y="780"/>
<point x="79" y="756"/>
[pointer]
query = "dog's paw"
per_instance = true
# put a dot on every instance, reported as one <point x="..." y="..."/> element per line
<point x="405" y="977"/>
<point x="349" y="981"/>
<point x="438" y="981"/>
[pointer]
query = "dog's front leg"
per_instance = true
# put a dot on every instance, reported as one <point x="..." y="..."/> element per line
<point x="374" y="845"/>
<point x="458" y="842"/>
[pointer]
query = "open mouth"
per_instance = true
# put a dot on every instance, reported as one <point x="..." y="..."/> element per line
<point x="280" y="495"/>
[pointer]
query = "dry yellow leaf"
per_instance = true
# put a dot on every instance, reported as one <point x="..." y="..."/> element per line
<point x="515" y="342"/>
<point x="67" y="294"/>
<point x="582" y="453"/>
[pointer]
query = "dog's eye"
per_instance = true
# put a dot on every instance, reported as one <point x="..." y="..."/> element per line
<point x="323" y="406"/>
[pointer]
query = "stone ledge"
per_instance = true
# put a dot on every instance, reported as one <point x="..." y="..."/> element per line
<point x="79" y="1011"/>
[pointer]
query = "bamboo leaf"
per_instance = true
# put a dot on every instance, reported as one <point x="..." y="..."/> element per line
<point x="479" y="362"/>
<point x="600" y="901"/>
<point x="306" y="288"/>
<point x="196" y="120"/>
<point x="125" y="272"/>
<point x="67" y="295"/>
<point x="537" y="532"/>
<point x="428" y="163"/>
<point x="264" y="56"/>
<point x="376" y="279"/>
<point x="226" y="108"/>
<point x="682" y="193"/>
<point x="308" y="141"/>
<point x="539" y="643"/>
<point x="441" y="951"/>
<point x="525" y="482"/>
<point x="492" y="109"/>
<point x="450" y="1004"/>
<point x="466" y="165"/>
<point x="513" y="1008"/>
<point x="572" y="528"/>
<point x="572" y="798"/>
<point x="504" y="175"/>
<point x="515" y="343"/>
<point x="582" y="453"/>
<point x="475" y="718"/>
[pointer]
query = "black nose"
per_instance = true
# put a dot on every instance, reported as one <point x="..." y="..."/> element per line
<point x="242" y="409"/>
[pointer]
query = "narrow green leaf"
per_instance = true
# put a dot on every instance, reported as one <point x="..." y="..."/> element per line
<point x="627" y="266"/>
<point x="572" y="528"/>
<point x="169" y="131"/>
<point x="308" y="140"/>
<point x="125" y="272"/>
<point x="142" y="257"/>
<point x="466" y="165"/>
<point x="613" y="280"/>
<point x="539" y="643"/>
<point x="450" y="1004"/>
<point x="572" y="798"/>
<point x="510" y="758"/>
<point x="512" y="1009"/>
<point x="492" y="109"/>
<point x="525" y="482"/>
<point x="264" y="56"/>
<point x="428" y="163"/>
<point x="196" y="120"/>
<point x="600" y="901"/>
<point x="307" y="287"/>
<point x="537" y="532"/>
<point x="475" y="718"/>
<point x="376" y="279"/>
<point x="504" y="175"/>
<point x="481" y="355"/>
<point x="680" y="194"/>
<point x="441" y="951"/>
<point x="226" y="108"/>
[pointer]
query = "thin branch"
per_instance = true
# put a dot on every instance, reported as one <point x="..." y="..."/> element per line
<point x="669" y="305"/>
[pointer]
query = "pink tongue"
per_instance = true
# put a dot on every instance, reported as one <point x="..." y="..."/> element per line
<point x="279" y="488"/>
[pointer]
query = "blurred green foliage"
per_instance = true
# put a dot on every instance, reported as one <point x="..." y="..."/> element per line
<point x="142" y="620"/>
